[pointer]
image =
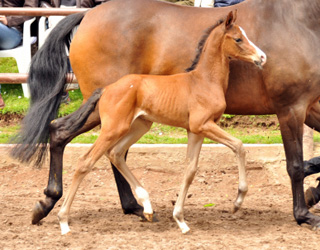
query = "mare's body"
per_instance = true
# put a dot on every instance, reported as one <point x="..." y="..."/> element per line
<point x="151" y="37"/>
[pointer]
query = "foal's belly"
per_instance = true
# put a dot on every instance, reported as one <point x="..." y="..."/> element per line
<point x="175" y="120"/>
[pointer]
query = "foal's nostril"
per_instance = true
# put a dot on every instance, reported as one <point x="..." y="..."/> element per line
<point x="263" y="59"/>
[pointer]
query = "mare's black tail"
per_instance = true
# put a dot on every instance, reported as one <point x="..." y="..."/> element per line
<point x="46" y="80"/>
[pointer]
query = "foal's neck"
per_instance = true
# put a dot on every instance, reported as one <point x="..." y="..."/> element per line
<point x="213" y="66"/>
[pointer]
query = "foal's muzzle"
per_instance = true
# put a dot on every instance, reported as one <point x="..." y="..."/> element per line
<point x="261" y="61"/>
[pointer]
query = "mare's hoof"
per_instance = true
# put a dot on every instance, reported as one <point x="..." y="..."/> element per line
<point x="311" y="196"/>
<point x="37" y="214"/>
<point x="316" y="227"/>
<point x="138" y="210"/>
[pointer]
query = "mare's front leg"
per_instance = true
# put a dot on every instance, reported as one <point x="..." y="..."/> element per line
<point x="193" y="151"/>
<point x="291" y="125"/>
<point x="60" y="136"/>
<point x="212" y="131"/>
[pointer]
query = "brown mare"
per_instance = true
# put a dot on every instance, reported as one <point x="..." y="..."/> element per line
<point x="154" y="37"/>
<point x="194" y="101"/>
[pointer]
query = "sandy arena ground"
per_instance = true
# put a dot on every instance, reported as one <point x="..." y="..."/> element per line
<point x="264" y="222"/>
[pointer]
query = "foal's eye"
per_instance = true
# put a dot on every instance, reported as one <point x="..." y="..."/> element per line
<point x="238" y="40"/>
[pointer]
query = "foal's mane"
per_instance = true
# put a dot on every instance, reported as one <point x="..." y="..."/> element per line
<point x="201" y="44"/>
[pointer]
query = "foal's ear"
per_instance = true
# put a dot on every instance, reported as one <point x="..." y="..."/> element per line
<point x="231" y="18"/>
<point x="235" y="15"/>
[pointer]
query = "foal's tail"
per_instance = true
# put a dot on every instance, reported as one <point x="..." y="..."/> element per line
<point x="46" y="80"/>
<point x="77" y="119"/>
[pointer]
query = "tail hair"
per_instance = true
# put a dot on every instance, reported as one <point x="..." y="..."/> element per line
<point x="47" y="73"/>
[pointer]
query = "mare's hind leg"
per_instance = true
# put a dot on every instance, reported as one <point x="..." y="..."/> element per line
<point x="212" y="131"/>
<point x="117" y="157"/>
<point x="193" y="151"/>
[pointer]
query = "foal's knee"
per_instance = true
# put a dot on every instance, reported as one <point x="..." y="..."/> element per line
<point x="239" y="148"/>
<point x="84" y="166"/>
<point x="115" y="155"/>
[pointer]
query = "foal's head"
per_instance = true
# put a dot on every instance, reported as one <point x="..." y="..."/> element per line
<point x="236" y="45"/>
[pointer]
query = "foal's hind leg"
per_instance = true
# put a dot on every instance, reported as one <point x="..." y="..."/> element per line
<point x="212" y="131"/>
<point x="106" y="140"/>
<point x="60" y="136"/>
<point x="194" y="147"/>
<point x="117" y="157"/>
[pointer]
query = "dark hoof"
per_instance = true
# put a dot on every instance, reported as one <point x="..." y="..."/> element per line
<point x="136" y="210"/>
<point x="38" y="213"/>
<point x="316" y="227"/>
<point x="312" y="196"/>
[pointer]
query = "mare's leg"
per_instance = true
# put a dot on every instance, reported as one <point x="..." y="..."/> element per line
<point x="212" y="131"/>
<point x="117" y="157"/>
<point x="291" y="125"/>
<point x="193" y="151"/>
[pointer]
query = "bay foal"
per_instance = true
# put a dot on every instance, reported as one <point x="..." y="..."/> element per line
<point x="194" y="101"/>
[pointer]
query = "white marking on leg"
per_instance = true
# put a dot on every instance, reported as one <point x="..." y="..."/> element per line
<point x="243" y="186"/>
<point x="193" y="151"/>
<point x="178" y="217"/>
<point x="143" y="196"/>
<point x="64" y="228"/>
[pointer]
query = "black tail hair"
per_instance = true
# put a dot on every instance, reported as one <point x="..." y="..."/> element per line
<point x="46" y="80"/>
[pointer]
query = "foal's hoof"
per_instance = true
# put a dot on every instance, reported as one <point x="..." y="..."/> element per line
<point x="37" y="214"/>
<point x="235" y="208"/>
<point x="149" y="217"/>
<point x="154" y="218"/>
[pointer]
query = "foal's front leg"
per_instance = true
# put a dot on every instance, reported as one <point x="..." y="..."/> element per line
<point x="212" y="131"/>
<point x="193" y="151"/>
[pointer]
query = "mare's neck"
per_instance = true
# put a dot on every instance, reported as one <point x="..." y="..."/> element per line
<point x="213" y="66"/>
